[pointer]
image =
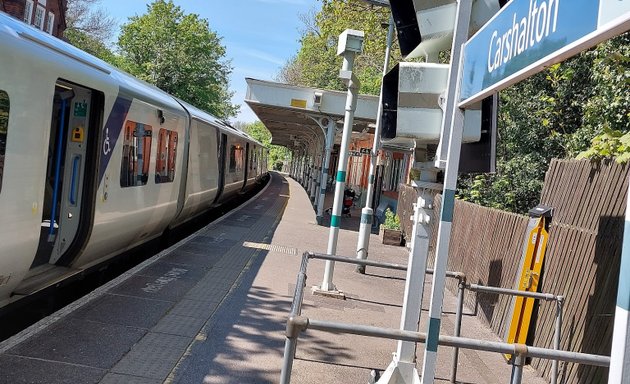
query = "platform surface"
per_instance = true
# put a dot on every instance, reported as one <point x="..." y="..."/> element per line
<point x="213" y="309"/>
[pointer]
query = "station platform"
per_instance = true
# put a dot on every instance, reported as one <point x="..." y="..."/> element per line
<point x="213" y="309"/>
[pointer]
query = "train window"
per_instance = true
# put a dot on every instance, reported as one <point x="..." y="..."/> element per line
<point x="166" y="155"/>
<point x="136" y="155"/>
<point x="236" y="158"/>
<point x="232" y="158"/>
<point x="4" y="125"/>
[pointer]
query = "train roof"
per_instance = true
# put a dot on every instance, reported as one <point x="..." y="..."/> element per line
<point x="129" y="84"/>
<point x="33" y="39"/>
<point x="206" y="117"/>
<point x="18" y="29"/>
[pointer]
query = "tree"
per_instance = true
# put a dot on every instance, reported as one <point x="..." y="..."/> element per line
<point x="317" y="65"/>
<point x="277" y="153"/>
<point x="609" y="106"/>
<point x="88" y="27"/>
<point x="87" y="17"/>
<point x="180" y="54"/>
<point x="91" y="45"/>
<point x="607" y="113"/>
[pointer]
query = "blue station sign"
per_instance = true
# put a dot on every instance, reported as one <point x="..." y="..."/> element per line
<point x="526" y="32"/>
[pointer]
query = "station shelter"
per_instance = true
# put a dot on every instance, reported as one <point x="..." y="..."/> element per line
<point x="308" y="121"/>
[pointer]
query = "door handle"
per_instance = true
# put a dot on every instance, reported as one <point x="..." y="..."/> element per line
<point x="74" y="183"/>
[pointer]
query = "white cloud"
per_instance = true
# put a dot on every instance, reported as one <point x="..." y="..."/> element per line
<point x="236" y="50"/>
<point x="264" y="56"/>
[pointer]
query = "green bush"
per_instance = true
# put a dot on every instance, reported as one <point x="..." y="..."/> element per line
<point x="391" y="220"/>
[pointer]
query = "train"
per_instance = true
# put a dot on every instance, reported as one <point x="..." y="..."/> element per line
<point x="94" y="162"/>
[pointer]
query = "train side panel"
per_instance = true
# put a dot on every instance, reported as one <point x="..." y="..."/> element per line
<point x="202" y="184"/>
<point x="234" y="172"/>
<point x="252" y="171"/>
<point x="137" y="195"/>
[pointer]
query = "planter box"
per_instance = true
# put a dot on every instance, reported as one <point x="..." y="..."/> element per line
<point x="392" y="237"/>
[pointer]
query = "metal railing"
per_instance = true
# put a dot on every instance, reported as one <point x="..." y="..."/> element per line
<point x="534" y="295"/>
<point x="298" y="323"/>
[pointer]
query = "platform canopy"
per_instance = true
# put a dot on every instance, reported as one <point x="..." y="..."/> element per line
<point x="290" y="112"/>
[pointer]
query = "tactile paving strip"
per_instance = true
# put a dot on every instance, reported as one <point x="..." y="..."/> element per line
<point x="271" y="247"/>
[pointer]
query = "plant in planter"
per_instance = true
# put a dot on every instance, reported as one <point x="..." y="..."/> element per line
<point x="392" y="235"/>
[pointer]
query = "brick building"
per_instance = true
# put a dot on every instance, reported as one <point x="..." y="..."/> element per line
<point x="47" y="15"/>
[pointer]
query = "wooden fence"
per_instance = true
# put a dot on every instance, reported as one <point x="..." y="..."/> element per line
<point x="581" y="263"/>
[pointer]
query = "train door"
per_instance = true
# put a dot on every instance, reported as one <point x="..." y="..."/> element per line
<point x="247" y="168"/>
<point x="222" y="143"/>
<point x="70" y="149"/>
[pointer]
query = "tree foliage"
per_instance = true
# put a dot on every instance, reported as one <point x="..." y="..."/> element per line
<point x="180" y="54"/>
<point x="277" y="154"/>
<point x="317" y="65"/>
<point x="610" y="144"/>
<point x="88" y="18"/>
<point x="607" y="113"/>
<point x="579" y="106"/>
<point x="91" y="45"/>
<point x="89" y="27"/>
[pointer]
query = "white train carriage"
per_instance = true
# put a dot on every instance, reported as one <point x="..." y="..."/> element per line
<point x="94" y="162"/>
<point x="216" y="168"/>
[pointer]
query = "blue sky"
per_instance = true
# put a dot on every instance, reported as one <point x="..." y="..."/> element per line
<point x="259" y="35"/>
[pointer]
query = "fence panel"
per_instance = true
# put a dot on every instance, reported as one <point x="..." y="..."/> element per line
<point x="582" y="260"/>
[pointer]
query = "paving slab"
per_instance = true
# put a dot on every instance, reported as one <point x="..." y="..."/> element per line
<point x="128" y="311"/>
<point x="80" y="342"/>
<point x="24" y="370"/>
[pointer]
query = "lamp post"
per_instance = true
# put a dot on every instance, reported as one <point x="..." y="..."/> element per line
<point x="367" y="212"/>
<point x="350" y="44"/>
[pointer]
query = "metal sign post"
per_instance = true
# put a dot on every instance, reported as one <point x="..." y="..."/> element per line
<point x="462" y="22"/>
<point x="350" y="44"/>
<point x="402" y="369"/>
<point x="367" y="213"/>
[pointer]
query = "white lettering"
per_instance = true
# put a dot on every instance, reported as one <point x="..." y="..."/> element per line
<point x="490" y="62"/>
<point x="507" y="46"/>
<point x="532" y="27"/>
<point x="529" y="25"/>
<point x="106" y="146"/>
<point x="160" y="282"/>
<point x="553" y="4"/>
<point x="541" y="21"/>
<point x="524" y="33"/>
<point x="503" y="49"/>
<point x="514" y="41"/>
<point x="522" y="38"/>
<point x="497" y="56"/>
